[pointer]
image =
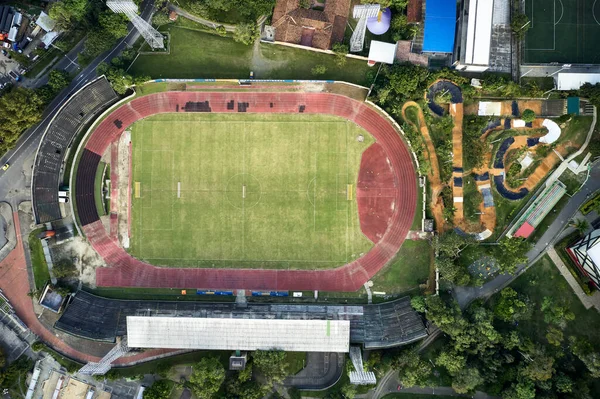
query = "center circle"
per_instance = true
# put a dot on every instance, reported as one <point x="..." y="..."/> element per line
<point x="243" y="191"/>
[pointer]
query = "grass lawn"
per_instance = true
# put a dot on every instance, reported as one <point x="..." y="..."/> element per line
<point x="295" y="361"/>
<point x="543" y="279"/>
<point x="189" y="358"/>
<point x="572" y="181"/>
<point x="506" y="209"/>
<point x="575" y="133"/>
<point x="38" y="262"/>
<point x="408" y="270"/>
<point x="412" y="115"/>
<point x="417" y="222"/>
<point x="246" y="190"/>
<point x="198" y="54"/>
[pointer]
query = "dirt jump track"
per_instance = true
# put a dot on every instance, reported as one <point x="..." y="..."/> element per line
<point x="386" y="199"/>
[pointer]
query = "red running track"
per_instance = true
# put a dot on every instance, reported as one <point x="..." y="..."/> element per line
<point x="386" y="195"/>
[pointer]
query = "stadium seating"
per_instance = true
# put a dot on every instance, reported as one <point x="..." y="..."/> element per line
<point x="56" y="142"/>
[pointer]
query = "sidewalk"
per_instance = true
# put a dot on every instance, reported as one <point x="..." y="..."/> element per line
<point x="586" y="300"/>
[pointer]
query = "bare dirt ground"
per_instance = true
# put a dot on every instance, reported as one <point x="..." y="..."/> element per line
<point x="456" y="112"/>
<point x="89" y="259"/>
<point x="506" y="107"/>
<point x="123" y="187"/>
<point x="437" y="208"/>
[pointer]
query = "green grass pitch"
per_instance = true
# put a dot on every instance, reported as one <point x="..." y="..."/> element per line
<point x="563" y="31"/>
<point x="246" y="190"/>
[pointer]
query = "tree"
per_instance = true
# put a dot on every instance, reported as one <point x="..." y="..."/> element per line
<point x="511" y="252"/>
<point x="554" y="336"/>
<point x="563" y="383"/>
<point x="520" y="24"/>
<point x="160" y="18"/>
<point x="452" y="271"/>
<point x="522" y="390"/>
<point x="402" y="82"/>
<point x="319" y="70"/>
<point x="340" y="51"/>
<point x="541" y="366"/>
<point x="511" y="307"/>
<point x="221" y="31"/>
<point x="160" y="389"/>
<point x="418" y="303"/>
<point x="348" y="391"/>
<point x="412" y="370"/>
<point x="246" y="33"/>
<point x="58" y="80"/>
<point x="451" y="244"/>
<point x="64" y="268"/>
<point x="466" y="380"/>
<point x="401" y="29"/>
<point x="555" y="313"/>
<point x="207" y="377"/>
<point x="113" y="24"/>
<point x="66" y="13"/>
<point x="528" y="115"/>
<point x="585" y="352"/>
<point x="20" y="109"/>
<point x="581" y="225"/>
<point x="272" y="365"/>
<point x="452" y="360"/>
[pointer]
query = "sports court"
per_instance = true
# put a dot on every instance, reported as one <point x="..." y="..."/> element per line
<point x="246" y="190"/>
<point x="563" y="31"/>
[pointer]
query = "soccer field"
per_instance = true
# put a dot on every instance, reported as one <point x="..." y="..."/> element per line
<point x="564" y="31"/>
<point x="246" y="190"/>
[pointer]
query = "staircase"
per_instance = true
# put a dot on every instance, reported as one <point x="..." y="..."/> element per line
<point x="105" y="364"/>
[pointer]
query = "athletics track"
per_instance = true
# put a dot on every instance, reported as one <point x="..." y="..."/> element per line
<point x="386" y="194"/>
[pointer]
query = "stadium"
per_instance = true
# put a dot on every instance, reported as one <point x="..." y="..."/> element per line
<point x="226" y="187"/>
<point x="266" y="190"/>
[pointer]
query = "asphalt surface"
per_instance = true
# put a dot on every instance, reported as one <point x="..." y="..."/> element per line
<point x="465" y="295"/>
<point x="14" y="187"/>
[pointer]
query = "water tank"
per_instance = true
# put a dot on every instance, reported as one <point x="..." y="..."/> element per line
<point x="381" y="23"/>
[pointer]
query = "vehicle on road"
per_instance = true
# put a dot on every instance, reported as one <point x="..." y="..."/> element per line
<point x="6" y="166"/>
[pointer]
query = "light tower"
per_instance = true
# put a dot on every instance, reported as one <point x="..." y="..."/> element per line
<point x="362" y="13"/>
<point x="129" y="8"/>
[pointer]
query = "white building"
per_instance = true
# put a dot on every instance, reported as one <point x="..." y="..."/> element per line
<point x="586" y="254"/>
<point x="574" y="81"/>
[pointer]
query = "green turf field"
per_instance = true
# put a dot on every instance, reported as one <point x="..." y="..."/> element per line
<point x="246" y="190"/>
<point x="563" y="31"/>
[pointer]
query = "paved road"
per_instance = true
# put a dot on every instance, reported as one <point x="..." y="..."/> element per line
<point x="14" y="182"/>
<point x="464" y="295"/>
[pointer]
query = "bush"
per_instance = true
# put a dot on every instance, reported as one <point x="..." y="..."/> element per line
<point x="319" y="70"/>
<point x="528" y="115"/>
<point x="246" y="33"/>
<point x="37" y="346"/>
<point x="221" y="31"/>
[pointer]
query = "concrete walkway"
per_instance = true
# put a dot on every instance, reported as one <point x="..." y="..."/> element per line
<point x="205" y="22"/>
<point x="586" y="300"/>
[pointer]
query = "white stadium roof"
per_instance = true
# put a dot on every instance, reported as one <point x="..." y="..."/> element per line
<point x="479" y="32"/>
<point x="574" y="81"/>
<point x="238" y="334"/>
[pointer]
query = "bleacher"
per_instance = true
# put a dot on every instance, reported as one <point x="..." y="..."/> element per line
<point x="376" y="326"/>
<point x="56" y="142"/>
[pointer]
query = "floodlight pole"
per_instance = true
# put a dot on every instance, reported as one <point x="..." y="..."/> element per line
<point x="130" y="9"/>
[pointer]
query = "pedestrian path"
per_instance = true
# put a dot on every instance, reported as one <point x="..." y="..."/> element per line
<point x="586" y="300"/>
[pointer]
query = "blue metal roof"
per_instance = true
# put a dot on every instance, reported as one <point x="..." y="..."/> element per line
<point x="440" y="24"/>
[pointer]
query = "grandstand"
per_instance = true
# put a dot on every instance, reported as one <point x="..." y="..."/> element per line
<point x="538" y="210"/>
<point x="374" y="326"/>
<point x="377" y="199"/>
<point x="88" y="102"/>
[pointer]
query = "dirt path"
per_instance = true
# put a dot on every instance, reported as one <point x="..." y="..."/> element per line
<point x="437" y="207"/>
<point x="456" y="112"/>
